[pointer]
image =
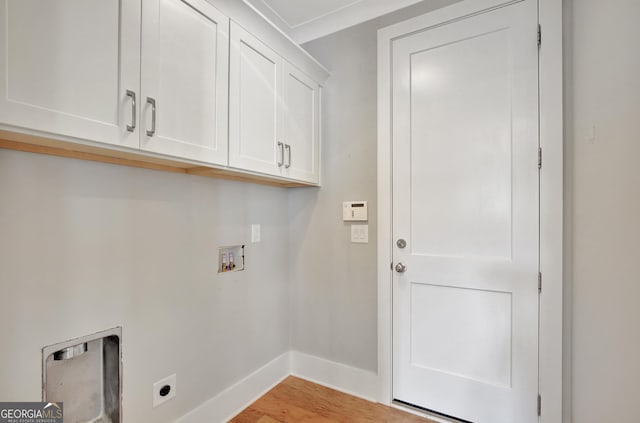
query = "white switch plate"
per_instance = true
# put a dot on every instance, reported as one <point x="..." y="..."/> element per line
<point x="159" y="399"/>
<point x="255" y="233"/>
<point x="360" y="234"/>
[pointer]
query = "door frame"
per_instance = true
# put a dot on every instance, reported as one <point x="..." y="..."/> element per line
<point x="550" y="355"/>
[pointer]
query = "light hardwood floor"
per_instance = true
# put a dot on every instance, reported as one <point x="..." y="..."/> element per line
<point x="296" y="400"/>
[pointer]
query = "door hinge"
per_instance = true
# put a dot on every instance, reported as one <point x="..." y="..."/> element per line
<point x="539" y="157"/>
<point x="539" y="282"/>
<point x="539" y="405"/>
<point x="539" y="35"/>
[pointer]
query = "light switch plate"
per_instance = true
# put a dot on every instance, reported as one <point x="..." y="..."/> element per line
<point x="360" y="234"/>
<point x="255" y="233"/>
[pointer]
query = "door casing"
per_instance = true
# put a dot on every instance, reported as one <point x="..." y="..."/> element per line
<point x="551" y="387"/>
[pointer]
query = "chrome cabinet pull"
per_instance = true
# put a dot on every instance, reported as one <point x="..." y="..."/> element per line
<point x="132" y="94"/>
<point x="152" y="101"/>
<point x="288" y="147"/>
<point x="281" y="148"/>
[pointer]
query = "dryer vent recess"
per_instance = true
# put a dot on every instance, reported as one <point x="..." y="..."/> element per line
<point x="231" y="259"/>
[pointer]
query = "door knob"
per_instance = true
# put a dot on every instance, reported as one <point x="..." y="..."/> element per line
<point x="401" y="268"/>
<point x="401" y="243"/>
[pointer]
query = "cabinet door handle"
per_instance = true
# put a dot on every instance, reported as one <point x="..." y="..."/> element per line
<point x="288" y="147"/>
<point x="281" y="151"/>
<point x="132" y="94"/>
<point x="152" y="101"/>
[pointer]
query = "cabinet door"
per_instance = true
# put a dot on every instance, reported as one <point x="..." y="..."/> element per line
<point x="301" y="126"/>
<point x="66" y="67"/>
<point x="253" y="105"/>
<point x="185" y="50"/>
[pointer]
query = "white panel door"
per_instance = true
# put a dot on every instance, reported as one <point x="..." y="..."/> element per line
<point x="66" y="67"/>
<point x="254" y="105"/>
<point x="301" y="131"/>
<point x="185" y="48"/>
<point x="465" y="200"/>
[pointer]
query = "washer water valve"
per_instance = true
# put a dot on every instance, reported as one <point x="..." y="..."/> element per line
<point x="231" y="259"/>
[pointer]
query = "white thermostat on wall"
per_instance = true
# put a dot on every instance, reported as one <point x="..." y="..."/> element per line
<point x="354" y="211"/>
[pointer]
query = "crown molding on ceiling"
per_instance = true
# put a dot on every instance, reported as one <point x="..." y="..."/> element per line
<point x="271" y="15"/>
<point x="344" y="17"/>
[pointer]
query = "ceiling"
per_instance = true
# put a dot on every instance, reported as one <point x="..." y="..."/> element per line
<point x="306" y="20"/>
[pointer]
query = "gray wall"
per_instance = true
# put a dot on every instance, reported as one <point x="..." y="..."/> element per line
<point x="334" y="282"/>
<point x="88" y="246"/>
<point x="603" y="91"/>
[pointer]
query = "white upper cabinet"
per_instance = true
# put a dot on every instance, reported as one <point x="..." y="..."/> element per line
<point x="184" y="85"/>
<point x="164" y="79"/>
<point x="254" y="105"/>
<point x="150" y="74"/>
<point x="301" y="126"/>
<point x="71" y="68"/>
<point x="273" y="112"/>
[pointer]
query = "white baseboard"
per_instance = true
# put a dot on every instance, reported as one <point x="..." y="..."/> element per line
<point x="233" y="400"/>
<point x="236" y="398"/>
<point x="351" y="380"/>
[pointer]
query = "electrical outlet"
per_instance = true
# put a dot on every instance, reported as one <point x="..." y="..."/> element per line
<point x="164" y="390"/>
